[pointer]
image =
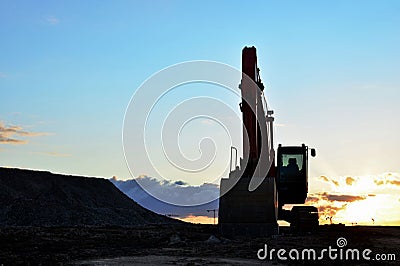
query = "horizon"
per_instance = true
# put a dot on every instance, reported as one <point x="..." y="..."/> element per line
<point x="68" y="73"/>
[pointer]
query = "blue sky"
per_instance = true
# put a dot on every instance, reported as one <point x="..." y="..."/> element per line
<point x="69" y="69"/>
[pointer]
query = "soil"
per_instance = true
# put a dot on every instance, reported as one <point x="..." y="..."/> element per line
<point x="184" y="244"/>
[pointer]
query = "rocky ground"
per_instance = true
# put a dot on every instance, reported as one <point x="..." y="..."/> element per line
<point x="180" y="245"/>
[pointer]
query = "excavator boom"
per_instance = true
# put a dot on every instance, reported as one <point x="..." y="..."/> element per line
<point x="244" y="210"/>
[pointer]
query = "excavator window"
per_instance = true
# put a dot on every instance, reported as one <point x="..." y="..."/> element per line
<point x="292" y="160"/>
<point x="291" y="166"/>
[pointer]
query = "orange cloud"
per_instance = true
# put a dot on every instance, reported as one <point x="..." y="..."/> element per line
<point x="350" y="180"/>
<point x="324" y="178"/>
<point x="329" y="180"/>
<point x="394" y="182"/>
<point x="312" y="199"/>
<point x="387" y="181"/>
<point x="330" y="211"/>
<point x="8" y="135"/>
<point x="12" y="141"/>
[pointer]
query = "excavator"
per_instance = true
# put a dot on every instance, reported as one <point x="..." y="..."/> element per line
<point x="252" y="198"/>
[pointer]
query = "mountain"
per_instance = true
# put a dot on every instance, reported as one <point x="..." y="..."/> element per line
<point x="189" y="195"/>
<point x="38" y="198"/>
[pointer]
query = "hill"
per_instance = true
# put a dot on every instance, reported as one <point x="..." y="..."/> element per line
<point x="38" y="198"/>
<point x="187" y="193"/>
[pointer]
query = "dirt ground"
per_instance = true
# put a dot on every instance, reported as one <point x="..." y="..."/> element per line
<point x="190" y="245"/>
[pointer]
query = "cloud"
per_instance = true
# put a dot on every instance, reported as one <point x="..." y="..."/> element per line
<point x="350" y="181"/>
<point x="394" y="182"/>
<point x="52" y="20"/>
<point x="55" y="154"/>
<point x="8" y="135"/>
<point x="12" y="141"/>
<point x="387" y="179"/>
<point x="324" y="178"/>
<point x="346" y="198"/>
<point x="171" y="191"/>
<point x="316" y="197"/>
<point x="312" y="199"/>
<point x="3" y="75"/>
<point x="330" y="211"/>
<point x="329" y="180"/>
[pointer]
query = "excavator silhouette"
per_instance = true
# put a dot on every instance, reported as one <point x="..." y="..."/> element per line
<point x="252" y="198"/>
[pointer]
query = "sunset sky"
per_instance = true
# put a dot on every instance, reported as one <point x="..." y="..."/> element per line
<point x="68" y="70"/>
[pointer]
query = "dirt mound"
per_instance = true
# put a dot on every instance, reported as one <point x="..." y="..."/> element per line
<point x="37" y="198"/>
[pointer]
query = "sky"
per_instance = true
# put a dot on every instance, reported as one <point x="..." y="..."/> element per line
<point x="68" y="70"/>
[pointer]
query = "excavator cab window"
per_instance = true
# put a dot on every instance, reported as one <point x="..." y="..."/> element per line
<point x="291" y="165"/>
<point x="292" y="174"/>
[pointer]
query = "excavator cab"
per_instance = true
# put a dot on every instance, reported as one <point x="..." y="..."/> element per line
<point x="292" y="174"/>
<point x="292" y="186"/>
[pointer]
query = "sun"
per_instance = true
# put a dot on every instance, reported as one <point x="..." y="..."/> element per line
<point x="363" y="212"/>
